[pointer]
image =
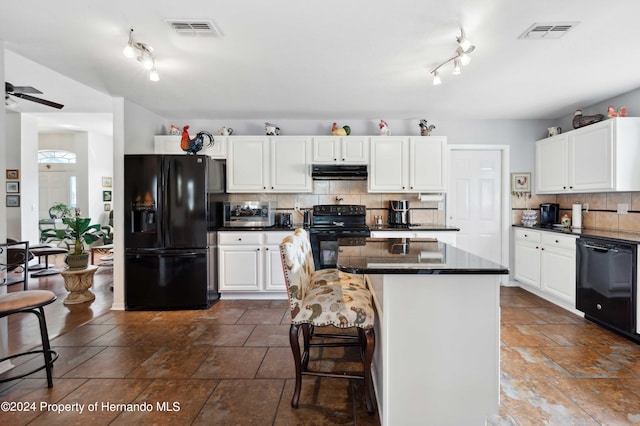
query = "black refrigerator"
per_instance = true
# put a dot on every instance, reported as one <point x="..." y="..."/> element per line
<point x="169" y="221"/>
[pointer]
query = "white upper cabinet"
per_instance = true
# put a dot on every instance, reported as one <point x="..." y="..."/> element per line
<point x="595" y="158"/>
<point x="407" y="164"/>
<point x="427" y="160"/>
<point x="169" y="144"/>
<point x="269" y="164"/>
<point x="336" y="149"/>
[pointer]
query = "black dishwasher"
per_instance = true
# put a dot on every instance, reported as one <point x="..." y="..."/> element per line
<point x="606" y="283"/>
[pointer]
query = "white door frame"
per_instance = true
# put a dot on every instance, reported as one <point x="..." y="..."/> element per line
<point x="505" y="213"/>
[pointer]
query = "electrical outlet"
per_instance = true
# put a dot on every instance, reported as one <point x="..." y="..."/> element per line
<point x="585" y="207"/>
<point x="296" y="206"/>
<point x="623" y="208"/>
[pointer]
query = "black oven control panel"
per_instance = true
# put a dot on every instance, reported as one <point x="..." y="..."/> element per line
<point x="339" y="210"/>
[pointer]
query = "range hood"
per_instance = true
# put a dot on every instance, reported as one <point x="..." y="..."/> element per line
<point x="339" y="172"/>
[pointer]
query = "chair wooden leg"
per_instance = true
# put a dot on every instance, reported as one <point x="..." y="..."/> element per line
<point x="306" y="337"/>
<point x="370" y="343"/>
<point x="295" y="348"/>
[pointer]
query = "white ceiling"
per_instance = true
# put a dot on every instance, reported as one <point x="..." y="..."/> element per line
<point x="358" y="59"/>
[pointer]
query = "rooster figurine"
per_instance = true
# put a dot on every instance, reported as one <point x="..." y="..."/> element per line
<point x="192" y="146"/>
<point x="620" y="112"/>
<point x="425" y="130"/>
<point x="384" y="128"/>
<point x="340" y="131"/>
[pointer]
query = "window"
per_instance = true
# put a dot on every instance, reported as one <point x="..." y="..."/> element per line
<point x="56" y="156"/>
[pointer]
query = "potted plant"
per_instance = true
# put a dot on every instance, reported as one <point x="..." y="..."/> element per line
<point x="59" y="210"/>
<point x="78" y="232"/>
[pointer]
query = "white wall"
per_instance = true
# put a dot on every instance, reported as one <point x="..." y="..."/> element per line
<point x="100" y="161"/>
<point x="12" y="161"/>
<point x="29" y="198"/>
<point x="140" y="126"/>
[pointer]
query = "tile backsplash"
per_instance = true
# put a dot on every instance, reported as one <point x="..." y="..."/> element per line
<point x="602" y="213"/>
<point x="348" y="192"/>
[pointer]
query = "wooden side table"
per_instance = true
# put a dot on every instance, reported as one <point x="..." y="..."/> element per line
<point x="78" y="282"/>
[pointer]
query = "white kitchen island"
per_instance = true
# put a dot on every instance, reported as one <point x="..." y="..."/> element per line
<point x="437" y="356"/>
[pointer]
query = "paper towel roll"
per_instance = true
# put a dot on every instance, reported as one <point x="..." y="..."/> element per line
<point x="576" y="215"/>
<point x="430" y="197"/>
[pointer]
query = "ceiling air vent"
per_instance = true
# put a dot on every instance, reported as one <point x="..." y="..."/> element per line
<point x="547" y="31"/>
<point x="194" y="27"/>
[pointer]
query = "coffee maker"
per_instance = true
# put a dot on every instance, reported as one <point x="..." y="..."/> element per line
<point x="399" y="213"/>
<point x="549" y="214"/>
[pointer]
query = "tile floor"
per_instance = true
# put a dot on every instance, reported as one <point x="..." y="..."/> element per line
<point x="231" y="364"/>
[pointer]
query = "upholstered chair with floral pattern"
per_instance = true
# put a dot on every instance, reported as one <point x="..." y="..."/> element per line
<point x="323" y="299"/>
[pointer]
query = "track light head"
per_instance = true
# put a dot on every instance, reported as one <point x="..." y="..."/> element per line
<point x="436" y="78"/>
<point x="144" y="54"/>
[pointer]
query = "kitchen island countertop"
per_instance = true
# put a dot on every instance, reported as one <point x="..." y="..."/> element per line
<point x="411" y="256"/>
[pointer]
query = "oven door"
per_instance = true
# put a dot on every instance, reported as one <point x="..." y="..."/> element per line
<point x="324" y="246"/>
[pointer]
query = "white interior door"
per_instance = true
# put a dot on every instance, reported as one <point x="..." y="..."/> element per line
<point x="54" y="187"/>
<point x="474" y="202"/>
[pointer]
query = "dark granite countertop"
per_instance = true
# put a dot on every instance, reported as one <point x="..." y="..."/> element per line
<point x="410" y="256"/>
<point x="415" y="228"/>
<point x="632" y="237"/>
<point x="260" y="228"/>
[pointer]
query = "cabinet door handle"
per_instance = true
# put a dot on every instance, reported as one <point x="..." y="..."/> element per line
<point x="542" y="248"/>
<point x="264" y="187"/>
<point x="537" y="247"/>
<point x="239" y="239"/>
<point x="343" y="159"/>
<point x="571" y="187"/>
<point x="267" y="249"/>
<point x="258" y="249"/>
<point x="557" y="241"/>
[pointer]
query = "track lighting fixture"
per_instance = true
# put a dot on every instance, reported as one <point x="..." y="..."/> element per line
<point x="144" y="54"/>
<point x="459" y="59"/>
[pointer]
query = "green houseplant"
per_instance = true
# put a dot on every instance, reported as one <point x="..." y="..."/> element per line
<point x="78" y="232"/>
<point x="59" y="210"/>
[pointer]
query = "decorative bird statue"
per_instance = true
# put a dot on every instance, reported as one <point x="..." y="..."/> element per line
<point x="340" y="131"/>
<point x="192" y="146"/>
<point x="271" y="129"/>
<point x="384" y="128"/>
<point x="425" y="130"/>
<point x="580" y="120"/>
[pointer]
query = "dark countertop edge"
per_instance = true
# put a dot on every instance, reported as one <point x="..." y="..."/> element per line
<point x="631" y="237"/>
<point x="417" y="271"/>
<point x="259" y="228"/>
<point x="414" y="228"/>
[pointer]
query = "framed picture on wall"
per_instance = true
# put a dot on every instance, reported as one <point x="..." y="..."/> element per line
<point x="107" y="207"/>
<point x="521" y="182"/>
<point x="107" y="181"/>
<point x="13" y="201"/>
<point x="13" y="174"/>
<point x="13" y="187"/>
<point x="106" y="195"/>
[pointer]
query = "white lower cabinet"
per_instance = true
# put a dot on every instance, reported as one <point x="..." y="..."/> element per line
<point x="249" y="263"/>
<point x="547" y="260"/>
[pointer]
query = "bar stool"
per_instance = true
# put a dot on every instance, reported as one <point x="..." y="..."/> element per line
<point x="316" y="301"/>
<point x="46" y="252"/>
<point x="31" y="301"/>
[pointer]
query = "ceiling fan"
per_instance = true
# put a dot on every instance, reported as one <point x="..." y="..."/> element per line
<point x="21" y="92"/>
